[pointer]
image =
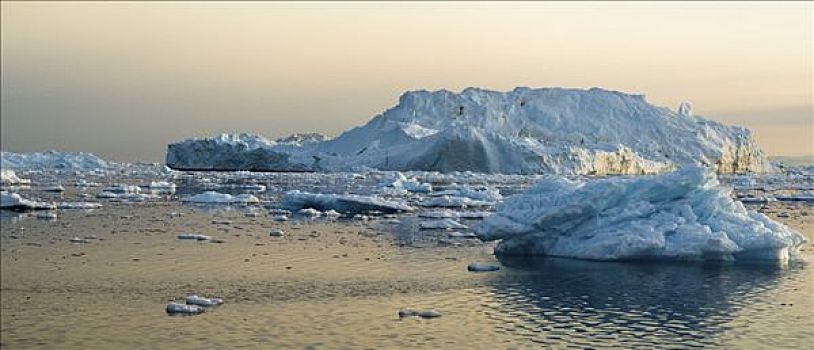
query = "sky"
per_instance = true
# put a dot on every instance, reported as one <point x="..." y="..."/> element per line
<point x="123" y="80"/>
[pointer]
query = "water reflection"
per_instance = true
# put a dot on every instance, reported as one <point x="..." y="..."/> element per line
<point x="569" y="302"/>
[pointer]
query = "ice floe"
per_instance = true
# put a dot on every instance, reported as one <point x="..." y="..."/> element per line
<point x="445" y="224"/>
<point x="14" y="201"/>
<point x="343" y="203"/>
<point x="201" y="301"/>
<point x="681" y="215"/>
<point x="212" y="197"/>
<point x="184" y="309"/>
<point x="193" y="236"/>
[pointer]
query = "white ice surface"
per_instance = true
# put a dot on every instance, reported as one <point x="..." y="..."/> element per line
<point x="681" y="215"/>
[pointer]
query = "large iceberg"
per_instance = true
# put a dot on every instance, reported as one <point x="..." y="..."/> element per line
<point x="523" y="131"/>
<point x="686" y="214"/>
<point x="52" y="159"/>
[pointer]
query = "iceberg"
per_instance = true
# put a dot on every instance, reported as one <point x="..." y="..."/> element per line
<point x="13" y="201"/>
<point x="522" y="131"/>
<point x="52" y="160"/>
<point x="343" y="203"/>
<point x="684" y="215"/>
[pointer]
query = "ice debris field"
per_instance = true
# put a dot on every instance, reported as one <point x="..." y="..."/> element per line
<point x="688" y="214"/>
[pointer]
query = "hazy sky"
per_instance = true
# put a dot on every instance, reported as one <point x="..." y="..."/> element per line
<point x="124" y="79"/>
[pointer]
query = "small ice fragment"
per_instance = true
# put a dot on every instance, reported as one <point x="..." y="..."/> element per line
<point x="48" y="215"/>
<point x="78" y="240"/>
<point x="221" y="222"/>
<point x="194" y="236"/>
<point x="477" y="267"/>
<point x="276" y="233"/>
<point x="201" y="301"/>
<point x="310" y="212"/>
<point x="279" y="218"/>
<point x="420" y="313"/>
<point x="183" y="309"/>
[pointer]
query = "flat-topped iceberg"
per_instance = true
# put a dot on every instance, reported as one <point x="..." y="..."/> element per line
<point x="522" y="131"/>
<point x="681" y="215"/>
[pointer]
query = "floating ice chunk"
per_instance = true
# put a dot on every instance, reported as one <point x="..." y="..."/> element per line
<point x="9" y="177"/>
<point x="14" y="201"/>
<point x="78" y="240"/>
<point x="184" y="309"/>
<point x="681" y="215"/>
<point x="441" y="224"/>
<point x="54" y="188"/>
<point x="478" y="267"/>
<point x="279" y="218"/>
<point x="345" y="203"/>
<point x="107" y="195"/>
<point x="161" y="185"/>
<point x="331" y="214"/>
<point x="310" y="212"/>
<point x="86" y="183"/>
<point x="122" y="189"/>
<point x="78" y="205"/>
<point x="454" y="202"/>
<point x="253" y="187"/>
<point x="277" y="233"/>
<point x="193" y="236"/>
<point x="201" y="301"/>
<point x="212" y="197"/>
<point x="420" y="313"/>
<point x="276" y="211"/>
<point x="47" y="215"/>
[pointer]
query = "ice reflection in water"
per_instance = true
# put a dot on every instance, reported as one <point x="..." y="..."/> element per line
<point x="569" y="302"/>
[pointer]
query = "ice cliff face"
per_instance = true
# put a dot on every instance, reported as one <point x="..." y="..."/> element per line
<point x="550" y="130"/>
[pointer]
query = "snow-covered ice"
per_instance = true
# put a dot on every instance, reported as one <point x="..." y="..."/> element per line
<point x="522" y="131"/>
<point x="681" y="215"/>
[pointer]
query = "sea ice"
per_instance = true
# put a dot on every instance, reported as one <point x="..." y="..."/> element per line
<point x="441" y="224"/>
<point x="344" y="203"/>
<point x="212" y="197"/>
<point x="681" y="215"/>
<point x="14" y="201"/>
<point x="184" y="309"/>
<point x="201" y="301"/>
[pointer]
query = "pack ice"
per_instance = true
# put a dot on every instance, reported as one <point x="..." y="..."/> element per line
<point x="52" y="160"/>
<point x="681" y="215"/>
<point x="523" y="131"/>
